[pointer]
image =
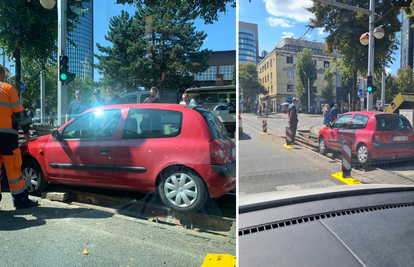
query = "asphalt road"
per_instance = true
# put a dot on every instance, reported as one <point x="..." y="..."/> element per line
<point x="265" y="165"/>
<point x="56" y="234"/>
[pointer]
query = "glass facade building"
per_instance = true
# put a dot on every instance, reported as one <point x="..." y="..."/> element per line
<point x="406" y="43"/>
<point x="248" y="43"/>
<point x="81" y="55"/>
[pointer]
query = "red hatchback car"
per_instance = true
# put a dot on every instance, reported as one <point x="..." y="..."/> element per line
<point x="374" y="135"/>
<point x="182" y="152"/>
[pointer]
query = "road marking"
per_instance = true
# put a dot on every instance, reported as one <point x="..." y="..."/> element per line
<point x="253" y="129"/>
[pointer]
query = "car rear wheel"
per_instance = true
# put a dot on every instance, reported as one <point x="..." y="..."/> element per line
<point x="183" y="191"/>
<point x="322" y="146"/>
<point x="363" y="154"/>
<point x="33" y="176"/>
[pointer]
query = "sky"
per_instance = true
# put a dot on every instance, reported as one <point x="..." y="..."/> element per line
<point x="220" y="36"/>
<point x="277" y="20"/>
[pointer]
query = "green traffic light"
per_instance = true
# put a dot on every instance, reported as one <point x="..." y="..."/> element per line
<point x="369" y="89"/>
<point x="63" y="77"/>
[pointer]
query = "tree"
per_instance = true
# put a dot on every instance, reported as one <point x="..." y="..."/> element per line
<point x="305" y="69"/>
<point x="405" y="80"/>
<point x="205" y="10"/>
<point x="29" y="31"/>
<point x="249" y="82"/>
<point x="328" y="86"/>
<point x="160" y="46"/>
<point x="234" y="76"/>
<point x="392" y="88"/>
<point x="345" y="27"/>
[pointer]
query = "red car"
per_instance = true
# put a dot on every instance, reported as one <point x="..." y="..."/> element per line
<point x="374" y="135"/>
<point x="182" y="152"/>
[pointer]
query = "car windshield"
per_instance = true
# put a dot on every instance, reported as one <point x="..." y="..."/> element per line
<point x="392" y="123"/>
<point x="121" y="168"/>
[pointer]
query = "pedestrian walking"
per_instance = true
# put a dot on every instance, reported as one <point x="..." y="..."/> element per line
<point x="153" y="98"/>
<point x="51" y="118"/>
<point x="333" y="114"/>
<point x="77" y="106"/>
<point x="293" y="118"/>
<point x="325" y="113"/>
<point x="98" y="100"/>
<point x="13" y="115"/>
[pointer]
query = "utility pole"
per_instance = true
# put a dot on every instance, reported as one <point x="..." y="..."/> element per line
<point x="62" y="50"/>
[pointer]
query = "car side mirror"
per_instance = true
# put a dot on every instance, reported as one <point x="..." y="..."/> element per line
<point x="56" y="135"/>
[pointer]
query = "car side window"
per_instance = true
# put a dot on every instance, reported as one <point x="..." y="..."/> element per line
<point x="359" y="122"/>
<point x="152" y="123"/>
<point x="99" y="124"/>
<point x="342" y="122"/>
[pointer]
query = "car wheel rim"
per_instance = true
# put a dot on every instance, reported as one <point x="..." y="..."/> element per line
<point x="180" y="190"/>
<point x="322" y="146"/>
<point x="362" y="154"/>
<point x="31" y="179"/>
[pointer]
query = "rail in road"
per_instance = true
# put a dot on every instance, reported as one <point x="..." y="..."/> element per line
<point x="217" y="217"/>
<point x="309" y="140"/>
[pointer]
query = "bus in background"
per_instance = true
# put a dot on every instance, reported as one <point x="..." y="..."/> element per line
<point x="219" y="99"/>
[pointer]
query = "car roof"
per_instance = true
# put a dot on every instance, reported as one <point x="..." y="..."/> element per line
<point x="147" y="105"/>
<point x="367" y="113"/>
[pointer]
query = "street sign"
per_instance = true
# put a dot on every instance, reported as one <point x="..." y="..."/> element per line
<point x="242" y="102"/>
<point x="21" y="87"/>
<point x="360" y="93"/>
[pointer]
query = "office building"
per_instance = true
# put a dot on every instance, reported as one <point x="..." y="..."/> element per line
<point x="248" y="42"/>
<point x="220" y="71"/>
<point x="276" y="72"/>
<point x="406" y="42"/>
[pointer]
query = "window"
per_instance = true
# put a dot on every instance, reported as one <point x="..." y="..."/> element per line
<point x="326" y="64"/>
<point x="289" y="60"/>
<point x="100" y="124"/>
<point x="342" y="122"/>
<point x="290" y="87"/>
<point x="267" y="77"/>
<point x="290" y="74"/>
<point x="271" y="76"/>
<point x="267" y="65"/>
<point x="271" y="89"/>
<point x="270" y="62"/>
<point x="387" y="122"/>
<point x="316" y="62"/>
<point x="152" y="123"/>
<point x="208" y="75"/>
<point x="227" y="72"/>
<point x="359" y="122"/>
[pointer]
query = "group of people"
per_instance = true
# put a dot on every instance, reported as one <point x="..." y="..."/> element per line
<point x="329" y="115"/>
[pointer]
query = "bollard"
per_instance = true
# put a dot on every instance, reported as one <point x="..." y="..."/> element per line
<point x="345" y="175"/>
<point x="288" y="138"/>
<point x="264" y="124"/>
<point x="346" y="158"/>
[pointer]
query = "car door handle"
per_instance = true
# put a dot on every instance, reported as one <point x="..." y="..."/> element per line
<point x="105" y="149"/>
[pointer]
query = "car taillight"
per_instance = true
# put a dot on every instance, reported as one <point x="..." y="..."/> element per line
<point x="375" y="137"/>
<point x="218" y="153"/>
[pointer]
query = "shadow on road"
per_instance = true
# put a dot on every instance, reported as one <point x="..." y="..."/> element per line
<point x="245" y="137"/>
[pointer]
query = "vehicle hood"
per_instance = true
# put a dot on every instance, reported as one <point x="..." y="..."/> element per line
<point x="265" y="200"/>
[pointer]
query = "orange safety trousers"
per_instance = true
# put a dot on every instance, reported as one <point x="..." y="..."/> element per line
<point x="12" y="164"/>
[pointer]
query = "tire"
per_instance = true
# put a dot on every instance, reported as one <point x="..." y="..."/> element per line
<point x="33" y="176"/>
<point x="363" y="154"/>
<point x="322" y="146"/>
<point x="189" y="200"/>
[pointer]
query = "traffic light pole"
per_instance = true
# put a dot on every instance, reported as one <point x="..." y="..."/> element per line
<point x="371" y="50"/>
<point x="62" y="49"/>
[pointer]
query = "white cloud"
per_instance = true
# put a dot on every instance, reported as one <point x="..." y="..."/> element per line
<point x="388" y="70"/>
<point x="280" y="22"/>
<point x="321" y="31"/>
<point x="294" y="9"/>
<point x="287" y="35"/>
<point x="308" y="36"/>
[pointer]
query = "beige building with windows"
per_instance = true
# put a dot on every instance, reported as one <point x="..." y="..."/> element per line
<point x="276" y="72"/>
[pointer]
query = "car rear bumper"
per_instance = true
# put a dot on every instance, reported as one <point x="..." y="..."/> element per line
<point x="218" y="185"/>
<point x="391" y="151"/>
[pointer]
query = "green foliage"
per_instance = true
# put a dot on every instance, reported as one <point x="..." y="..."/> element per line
<point x="392" y="88"/>
<point x="205" y="10"/>
<point x="156" y="40"/>
<point x="328" y="86"/>
<point x="405" y="80"/>
<point x="249" y="81"/>
<point x="234" y="76"/>
<point x="305" y="69"/>
<point x="345" y="27"/>
<point x="29" y="31"/>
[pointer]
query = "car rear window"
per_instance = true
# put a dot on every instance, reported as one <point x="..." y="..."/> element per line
<point x="152" y="123"/>
<point x="359" y="122"/>
<point x="388" y="122"/>
<point x="217" y="129"/>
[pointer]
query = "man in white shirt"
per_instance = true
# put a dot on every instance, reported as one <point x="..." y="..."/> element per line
<point x="188" y="101"/>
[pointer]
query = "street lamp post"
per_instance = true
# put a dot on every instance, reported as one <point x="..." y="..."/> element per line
<point x="62" y="49"/>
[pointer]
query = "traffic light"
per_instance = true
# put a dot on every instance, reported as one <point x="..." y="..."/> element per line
<point x="64" y="75"/>
<point x="401" y="3"/>
<point x="369" y="84"/>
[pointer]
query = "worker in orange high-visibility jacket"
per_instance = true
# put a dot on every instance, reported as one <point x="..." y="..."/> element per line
<point x="13" y="115"/>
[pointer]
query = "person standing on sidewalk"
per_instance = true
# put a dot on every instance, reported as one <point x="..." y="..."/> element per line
<point x="293" y="118"/>
<point x="13" y="115"/>
<point x="325" y="114"/>
<point x="333" y="114"/>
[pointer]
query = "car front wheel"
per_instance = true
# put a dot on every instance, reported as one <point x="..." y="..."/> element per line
<point x="322" y="146"/>
<point x="183" y="191"/>
<point x="363" y="154"/>
<point x="33" y="176"/>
